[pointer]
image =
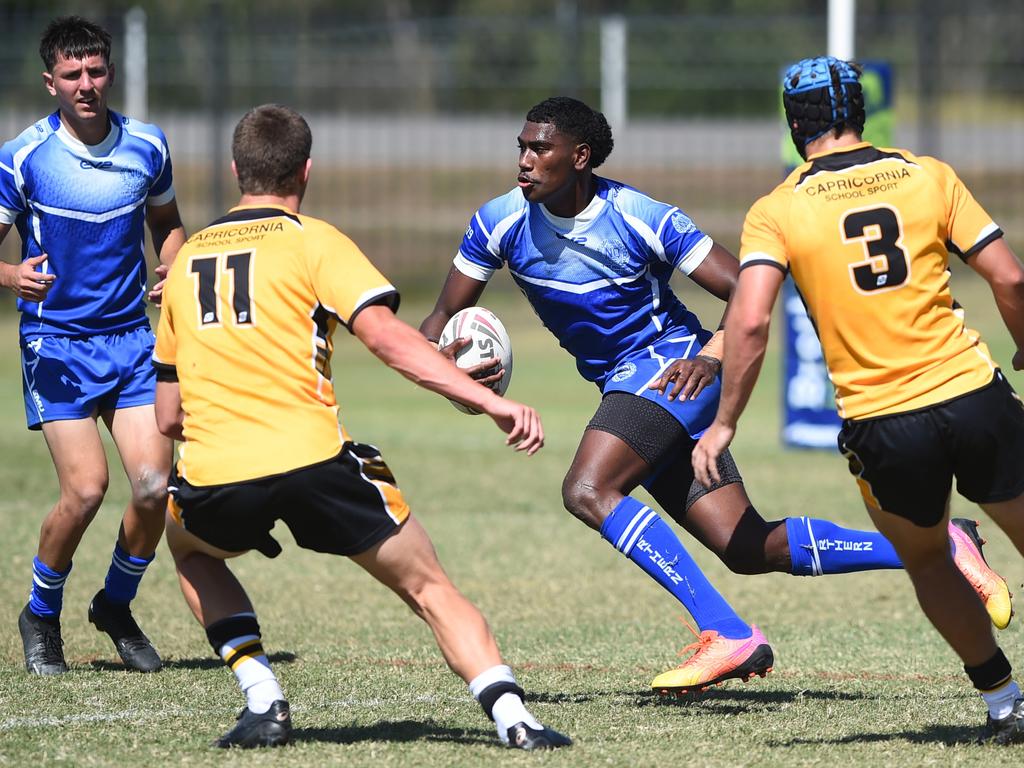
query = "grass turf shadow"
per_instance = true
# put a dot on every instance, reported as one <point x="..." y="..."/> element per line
<point x="947" y="735"/>
<point x="396" y="731"/>
<point x="278" y="657"/>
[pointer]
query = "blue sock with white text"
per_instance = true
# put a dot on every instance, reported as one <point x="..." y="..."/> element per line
<point x="124" y="575"/>
<point x="819" y="547"/>
<point x="639" y="533"/>
<point x="47" y="595"/>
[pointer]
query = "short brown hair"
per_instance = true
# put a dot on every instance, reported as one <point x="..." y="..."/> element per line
<point x="271" y="143"/>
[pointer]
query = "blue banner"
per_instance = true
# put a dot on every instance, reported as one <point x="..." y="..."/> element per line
<point x="807" y="395"/>
<point x="809" y="411"/>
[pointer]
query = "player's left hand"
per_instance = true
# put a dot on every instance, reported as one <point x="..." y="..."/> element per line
<point x="488" y="372"/>
<point x="156" y="293"/>
<point x="688" y="378"/>
<point x="707" y="450"/>
<point x="1018" y="360"/>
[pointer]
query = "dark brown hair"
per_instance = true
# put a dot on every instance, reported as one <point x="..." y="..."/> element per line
<point x="271" y="143"/>
<point x="73" y="38"/>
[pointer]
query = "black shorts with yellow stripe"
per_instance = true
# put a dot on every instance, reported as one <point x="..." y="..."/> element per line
<point x="343" y="506"/>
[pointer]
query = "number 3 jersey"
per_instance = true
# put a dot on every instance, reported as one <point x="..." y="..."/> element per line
<point x="866" y="234"/>
<point x="248" y="312"/>
<point x="598" y="281"/>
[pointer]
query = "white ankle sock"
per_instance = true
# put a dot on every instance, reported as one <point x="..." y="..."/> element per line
<point x="509" y="708"/>
<point x="1000" y="701"/>
<point x="261" y="695"/>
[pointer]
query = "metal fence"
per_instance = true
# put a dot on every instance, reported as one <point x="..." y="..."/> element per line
<point x="415" y="120"/>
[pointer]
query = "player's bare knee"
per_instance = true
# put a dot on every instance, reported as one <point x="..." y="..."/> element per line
<point x="583" y="500"/>
<point x="149" y="491"/>
<point x="81" y="501"/>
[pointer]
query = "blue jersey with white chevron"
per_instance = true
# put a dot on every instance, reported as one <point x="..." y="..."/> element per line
<point x="85" y="206"/>
<point x="598" y="281"/>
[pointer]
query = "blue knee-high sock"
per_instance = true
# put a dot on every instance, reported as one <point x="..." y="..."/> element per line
<point x="818" y="547"/>
<point x="639" y="533"/>
<point x="47" y="595"/>
<point x="124" y="575"/>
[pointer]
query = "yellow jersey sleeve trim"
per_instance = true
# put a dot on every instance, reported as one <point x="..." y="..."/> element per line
<point x="760" y="257"/>
<point x="387" y="296"/>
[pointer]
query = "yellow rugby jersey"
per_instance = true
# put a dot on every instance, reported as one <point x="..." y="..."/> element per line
<point x="249" y="308"/>
<point x="866" y="233"/>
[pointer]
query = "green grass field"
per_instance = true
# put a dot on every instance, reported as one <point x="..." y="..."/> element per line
<point x="861" y="678"/>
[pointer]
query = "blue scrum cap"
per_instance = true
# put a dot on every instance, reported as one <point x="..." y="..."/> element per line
<point x="820" y="94"/>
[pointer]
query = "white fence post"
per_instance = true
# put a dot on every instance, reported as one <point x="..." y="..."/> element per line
<point x="614" y="89"/>
<point x="842" y="28"/>
<point x="136" y="78"/>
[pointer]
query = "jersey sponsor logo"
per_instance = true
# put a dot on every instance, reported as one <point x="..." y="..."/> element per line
<point x="682" y="223"/>
<point x="99" y="164"/>
<point x="667" y="566"/>
<point x="244" y="231"/>
<point x="624" y="371"/>
<point x="857" y="186"/>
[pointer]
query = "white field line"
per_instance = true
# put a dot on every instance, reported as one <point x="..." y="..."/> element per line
<point x="146" y="715"/>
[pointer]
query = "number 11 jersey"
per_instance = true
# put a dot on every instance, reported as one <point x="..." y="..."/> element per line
<point x="246" y="327"/>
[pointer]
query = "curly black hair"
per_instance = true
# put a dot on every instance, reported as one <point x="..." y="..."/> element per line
<point x="574" y="118"/>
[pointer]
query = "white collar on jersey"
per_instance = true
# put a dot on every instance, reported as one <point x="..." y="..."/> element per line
<point x="96" y="150"/>
<point x="581" y="219"/>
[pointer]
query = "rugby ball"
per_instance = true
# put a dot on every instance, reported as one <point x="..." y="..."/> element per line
<point x="488" y="339"/>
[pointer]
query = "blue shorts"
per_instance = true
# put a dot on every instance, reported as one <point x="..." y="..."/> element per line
<point x="635" y="373"/>
<point x="74" y="377"/>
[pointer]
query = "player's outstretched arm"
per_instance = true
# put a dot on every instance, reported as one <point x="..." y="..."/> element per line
<point x="1003" y="271"/>
<point x="746" y="338"/>
<point x="407" y="351"/>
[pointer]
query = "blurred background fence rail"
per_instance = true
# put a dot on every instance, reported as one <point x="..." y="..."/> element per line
<point x="415" y="105"/>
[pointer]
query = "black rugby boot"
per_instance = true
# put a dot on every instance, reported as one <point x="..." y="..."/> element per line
<point x="132" y="645"/>
<point x="44" y="647"/>
<point x="522" y="736"/>
<point x="273" y="728"/>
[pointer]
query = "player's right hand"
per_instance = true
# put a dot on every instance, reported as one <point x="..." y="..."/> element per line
<point x="1018" y="360"/>
<point x="705" y="454"/>
<point x="28" y="284"/>
<point x="520" y="422"/>
<point x="487" y="372"/>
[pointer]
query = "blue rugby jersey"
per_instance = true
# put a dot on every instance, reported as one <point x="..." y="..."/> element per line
<point x="85" y="207"/>
<point x="598" y="281"/>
